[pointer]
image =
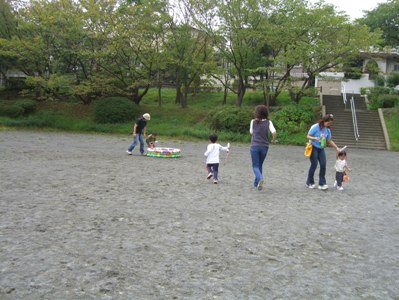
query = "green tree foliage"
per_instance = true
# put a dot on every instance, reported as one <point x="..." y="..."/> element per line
<point x="385" y="18"/>
<point x="319" y="38"/>
<point x="93" y="49"/>
<point x="7" y="20"/>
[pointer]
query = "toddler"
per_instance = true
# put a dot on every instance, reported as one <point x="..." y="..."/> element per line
<point x="212" y="157"/>
<point x="151" y="140"/>
<point x="341" y="167"/>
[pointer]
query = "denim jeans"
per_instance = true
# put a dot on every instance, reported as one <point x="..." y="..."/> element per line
<point x="214" y="169"/>
<point x="258" y="155"/>
<point x="318" y="155"/>
<point x="136" y="139"/>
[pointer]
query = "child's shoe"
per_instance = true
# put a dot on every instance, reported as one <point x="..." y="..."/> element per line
<point x="215" y="181"/>
<point x="129" y="152"/>
<point x="340" y="188"/>
<point x="335" y="183"/>
<point x="209" y="176"/>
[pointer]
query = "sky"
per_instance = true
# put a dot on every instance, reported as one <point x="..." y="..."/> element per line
<point x="354" y="8"/>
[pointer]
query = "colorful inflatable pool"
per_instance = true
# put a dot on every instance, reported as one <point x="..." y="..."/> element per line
<point x="163" y="152"/>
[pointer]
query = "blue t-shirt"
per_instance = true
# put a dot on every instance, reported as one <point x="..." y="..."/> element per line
<point x="316" y="131"/>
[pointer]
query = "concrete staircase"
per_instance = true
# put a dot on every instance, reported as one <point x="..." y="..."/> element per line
<point x="369" y="124"/>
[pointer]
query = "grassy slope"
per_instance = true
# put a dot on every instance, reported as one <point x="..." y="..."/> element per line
<point x="392" y="121"/>
<point x="168" y="120"/>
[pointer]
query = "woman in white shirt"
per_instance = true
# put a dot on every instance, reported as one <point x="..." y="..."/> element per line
<point x="259" y="129"/>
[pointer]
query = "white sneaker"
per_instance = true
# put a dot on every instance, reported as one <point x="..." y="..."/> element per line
<point x="335" y="183"/>
<point x="323" y="187"/>
<point x="129" y="152"/>
<point x="215" y="181"/>
<point x="340" y="188"/>
<point x="260" y="185"/>
<point x="310" y="186"/>
<point x="209" y="176"/>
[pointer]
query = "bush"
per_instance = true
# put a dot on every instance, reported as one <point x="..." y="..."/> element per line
<point x="388" y="101"/>
<point x="379" y="81"/>
<point x="232" y="119"/>
<point x="113" y="110"/>
<point x="29" y="106"/>
<point x="293" y="118"/>
<point x="11" y="110"/>
<point x="393" y="79"/>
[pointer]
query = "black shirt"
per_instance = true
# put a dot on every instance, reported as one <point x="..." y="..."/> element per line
<point x="141" y="123"/>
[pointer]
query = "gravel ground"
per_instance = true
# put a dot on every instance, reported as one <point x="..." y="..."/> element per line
<point x="80" y="219"/>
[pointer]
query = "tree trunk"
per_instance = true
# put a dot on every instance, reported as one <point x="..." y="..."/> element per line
<point x="159" y="85"/>
<point x="159" y="95"/>
<point x="179" y="94"/>
<point x="241" y="92"/>
<point x="136" y="96"/>
<point x="225" y="95"/>
<point x="183" y="102"/>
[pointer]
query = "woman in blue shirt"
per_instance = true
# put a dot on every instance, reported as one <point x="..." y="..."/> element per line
<point x="316" y="134"/>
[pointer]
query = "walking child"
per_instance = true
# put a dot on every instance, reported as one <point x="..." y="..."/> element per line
<point x="212" y="157"/>
<point x="341" y="167"/>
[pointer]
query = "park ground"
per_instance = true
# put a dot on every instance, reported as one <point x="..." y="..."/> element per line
<point x="80" y="219"/>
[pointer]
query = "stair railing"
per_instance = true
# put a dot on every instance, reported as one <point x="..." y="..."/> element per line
<point x="354" y="119"/>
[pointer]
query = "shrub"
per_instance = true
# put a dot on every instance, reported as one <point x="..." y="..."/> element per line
<point x="393" y="79"/>
<point x="29" y="106"/>
<point x="11" y="110"/>
<point x="388" y="101"/>
<point x="379" y="81"/>
<point x="293" y="118"/>
<point x="232" y="119"/>
<point x="113" y="110"/>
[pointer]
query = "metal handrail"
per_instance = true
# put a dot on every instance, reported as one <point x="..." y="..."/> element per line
<point x="354" y="119"/>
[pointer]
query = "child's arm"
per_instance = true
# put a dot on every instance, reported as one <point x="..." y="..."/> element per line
<point x="227" y="148"/>
<point x="208" y="150"/>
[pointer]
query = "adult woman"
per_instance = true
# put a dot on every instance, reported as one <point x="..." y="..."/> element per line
<point x="259" y="129"/>
<point x="316" y="134"/>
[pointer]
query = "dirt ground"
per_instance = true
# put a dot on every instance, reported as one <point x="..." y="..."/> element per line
<point x="80" y="219"/>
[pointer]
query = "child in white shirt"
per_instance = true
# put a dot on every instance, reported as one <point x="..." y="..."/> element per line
<point x="341" y="167"/>
<point x="212" y="157"/>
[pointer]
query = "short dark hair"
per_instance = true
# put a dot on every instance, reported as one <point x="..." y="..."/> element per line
<point x="213" y="138"/>
<point x="342" y="153"/>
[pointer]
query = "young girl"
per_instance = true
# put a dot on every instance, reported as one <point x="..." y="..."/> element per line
<point x="212" y="157"/>
<point x="341" y="167"/>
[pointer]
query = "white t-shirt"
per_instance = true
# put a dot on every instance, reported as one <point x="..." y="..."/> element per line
<point x="212" y="153"/>
<point x="340" y="165"/>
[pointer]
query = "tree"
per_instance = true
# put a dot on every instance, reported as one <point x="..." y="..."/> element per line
<point x="385" y="18"/>
<point x="7" y="30"/>
<point x="331" y="41"/>
<point x="239" y="35"/>
<point x="131" y="54"/>
<point x="316" y="38"/>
